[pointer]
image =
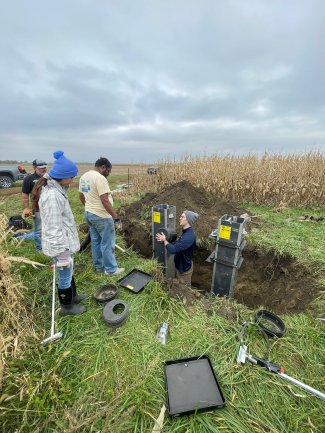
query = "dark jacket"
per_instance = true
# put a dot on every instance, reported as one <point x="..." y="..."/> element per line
<point x="183" y="249"/>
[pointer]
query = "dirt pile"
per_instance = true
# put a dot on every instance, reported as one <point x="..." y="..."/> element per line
<point x="183" y="195"/>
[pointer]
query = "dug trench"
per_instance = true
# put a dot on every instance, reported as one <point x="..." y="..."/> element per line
<point x="267" y="279"/>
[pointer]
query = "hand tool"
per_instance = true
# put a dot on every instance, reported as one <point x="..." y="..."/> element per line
<point x="244" y="355"/>
<point x="53" y="336"/>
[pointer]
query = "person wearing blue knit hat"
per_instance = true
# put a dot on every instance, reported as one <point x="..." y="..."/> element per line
<point x="63" y="168"/>
<point x="60" y="238"/>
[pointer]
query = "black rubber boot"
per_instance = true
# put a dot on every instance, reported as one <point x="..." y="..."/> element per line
<point x="76" y="299"/>
<point x="68" y="308"/>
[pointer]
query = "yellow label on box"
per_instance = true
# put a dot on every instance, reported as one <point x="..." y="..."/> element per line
<point x="130" y="287"/>
<point x="225" y="232"/>
<point x="156" y="217"/>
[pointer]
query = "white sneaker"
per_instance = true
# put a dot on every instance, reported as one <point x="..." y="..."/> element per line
<point x="117" y="272"/>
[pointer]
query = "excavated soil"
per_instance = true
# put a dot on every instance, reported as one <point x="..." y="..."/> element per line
<point x="183" y="195"/>
<point x="265" y="279"/>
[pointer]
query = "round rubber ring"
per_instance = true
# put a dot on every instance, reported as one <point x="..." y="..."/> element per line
<point x="271" y="324"/>
<point x="112" y="318"/>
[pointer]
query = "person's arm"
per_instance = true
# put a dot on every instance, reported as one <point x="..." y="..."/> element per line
<point x="108" y="206"/>
<point x="25" y="201"/>
<point x="185" y="241"/>
<point x="82" y="198"/>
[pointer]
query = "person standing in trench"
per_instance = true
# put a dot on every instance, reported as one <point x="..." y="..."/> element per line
<point x="183" y="248"/>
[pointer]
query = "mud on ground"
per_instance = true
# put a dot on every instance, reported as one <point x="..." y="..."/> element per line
<point x="278" y="283"/>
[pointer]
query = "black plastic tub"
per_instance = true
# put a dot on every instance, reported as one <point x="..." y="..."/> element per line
<point x="135" y="280"/>
<point x="105" y="293"/>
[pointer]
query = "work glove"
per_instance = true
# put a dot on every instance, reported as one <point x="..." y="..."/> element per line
<point x="118" y="223"/>
<point x="64" y="259"/>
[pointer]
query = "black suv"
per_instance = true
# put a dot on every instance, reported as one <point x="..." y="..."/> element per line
<point x="152" y="170"/>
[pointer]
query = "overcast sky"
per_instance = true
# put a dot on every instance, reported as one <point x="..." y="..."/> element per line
<point x="141" y="80"/>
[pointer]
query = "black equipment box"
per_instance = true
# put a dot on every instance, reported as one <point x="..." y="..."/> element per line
<point x="163" y="221"/>
<point x="192" y="386"/>
<point x="229" y="253"/>
<point x="230" y="229"/>
<point x="224" y="278"/>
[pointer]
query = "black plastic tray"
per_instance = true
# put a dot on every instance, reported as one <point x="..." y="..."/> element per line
<point x="135" y="280"/>
<point x="192" y="386"/>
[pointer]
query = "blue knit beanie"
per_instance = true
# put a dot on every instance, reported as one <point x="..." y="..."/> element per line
<point x="63" y="168"/>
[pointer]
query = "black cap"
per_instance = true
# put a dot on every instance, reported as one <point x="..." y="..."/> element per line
<point x="39" y="163"/>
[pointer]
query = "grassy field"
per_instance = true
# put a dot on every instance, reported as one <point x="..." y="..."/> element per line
<point x="96" y="379"/>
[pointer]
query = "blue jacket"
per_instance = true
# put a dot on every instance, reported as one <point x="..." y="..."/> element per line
<point x="183" y="249"/>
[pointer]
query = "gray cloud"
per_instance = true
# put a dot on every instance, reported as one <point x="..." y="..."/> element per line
<point x="138" y="81"/>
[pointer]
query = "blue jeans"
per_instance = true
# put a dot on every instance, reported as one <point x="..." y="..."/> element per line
<point x="102" y="233"/>
<point x="37" y="231"/>
<point x="64" y="275"/>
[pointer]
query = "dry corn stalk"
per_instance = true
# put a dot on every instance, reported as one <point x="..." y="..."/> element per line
<point x="276" y="180"/>
<point x="15" y="321"/>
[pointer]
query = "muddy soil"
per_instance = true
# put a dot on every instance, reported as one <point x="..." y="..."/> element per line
<point x="265" y="279"/>
<point x="278" y="283"/>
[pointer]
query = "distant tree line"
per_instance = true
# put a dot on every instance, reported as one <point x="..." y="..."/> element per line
<point x="11" y="161"/>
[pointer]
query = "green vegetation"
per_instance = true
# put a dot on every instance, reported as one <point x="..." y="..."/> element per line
<point x="288" y="234"/>
<point x="96" y="379"/>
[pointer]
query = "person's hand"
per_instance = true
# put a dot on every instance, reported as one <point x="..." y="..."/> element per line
<point x="118" y="223"/>
<point x="27" y="212"/>
<point x="160" y="237"/>
<point x="64" y="259"/>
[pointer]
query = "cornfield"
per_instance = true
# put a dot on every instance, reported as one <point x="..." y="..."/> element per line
<point x="291" y="180"/>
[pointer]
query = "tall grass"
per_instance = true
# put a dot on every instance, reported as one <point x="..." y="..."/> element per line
<point x="291" y="180"/>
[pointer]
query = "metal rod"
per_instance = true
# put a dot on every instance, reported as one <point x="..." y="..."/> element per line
<point x="58" y="335"/>
<point x="303" y="385"/>
<point x="283" y="375"/>
<point x="53" y="301"/>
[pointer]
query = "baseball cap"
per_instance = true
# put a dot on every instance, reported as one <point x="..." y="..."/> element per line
<point x="39" y="163"/>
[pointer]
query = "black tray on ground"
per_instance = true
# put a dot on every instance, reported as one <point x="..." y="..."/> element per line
<point x="192" y="386"/>
<point x="135" y="280"/>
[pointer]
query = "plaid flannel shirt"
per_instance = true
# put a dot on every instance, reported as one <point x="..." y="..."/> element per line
<point x="59" y="231"/>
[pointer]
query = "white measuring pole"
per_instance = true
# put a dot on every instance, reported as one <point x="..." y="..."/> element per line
<point x="302" y="385"/>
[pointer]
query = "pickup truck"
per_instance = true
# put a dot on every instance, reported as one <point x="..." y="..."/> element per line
<point x="10" y="174"/>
